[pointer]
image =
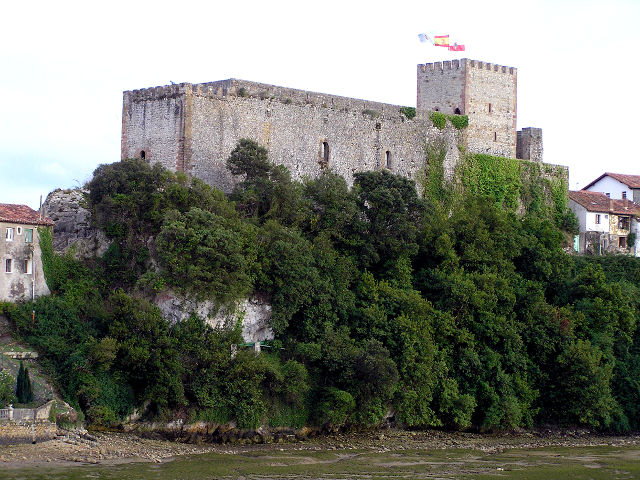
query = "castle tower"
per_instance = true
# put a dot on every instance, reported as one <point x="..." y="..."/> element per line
<point x="529" y="146"/>
<point x="483" y="91"/>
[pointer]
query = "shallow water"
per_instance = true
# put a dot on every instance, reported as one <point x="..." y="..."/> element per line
<point x="543" y="463"/>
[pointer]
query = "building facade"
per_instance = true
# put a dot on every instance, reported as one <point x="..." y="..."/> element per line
<point x="21" y="273"/>
<point x="607" y="225"/>
<point x="617" y="185"/>
<point x="193" y="128"/>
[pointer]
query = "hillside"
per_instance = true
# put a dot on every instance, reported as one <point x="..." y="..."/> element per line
<point x="457" y="308"/>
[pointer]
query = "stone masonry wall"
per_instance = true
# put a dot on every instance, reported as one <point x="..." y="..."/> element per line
<point x="442" y="87"/>
<point x="529" y="144"/>
<point x="153" y="123"/>
<point x="491" y="106"/>
<point x="13" y="433"/>
<point x="291" y="124"/>
<point x="486" y="92"/>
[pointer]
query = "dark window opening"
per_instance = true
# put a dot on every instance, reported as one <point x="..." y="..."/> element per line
<point x="495" y="136"/>
<point x="622" y="242"/>
<point x="597" y="218"/>
<point x="143" y="155"/>
<point x="490" y="108"/>
<point x="624" y="194"/>
<point x="436" y="109"/>
<point x="7" y="265"/>
<point x="325" y="154"/>
<point x="457" y="111"/>
<point x="387" y="159"/>
<point x="623" y="223"/>
<point x="608" y="194"/>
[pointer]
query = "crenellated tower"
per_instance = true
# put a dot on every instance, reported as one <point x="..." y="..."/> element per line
<point x="483" y="91"/>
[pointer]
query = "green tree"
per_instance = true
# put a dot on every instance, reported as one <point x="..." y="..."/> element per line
<point x="7" y="396"/>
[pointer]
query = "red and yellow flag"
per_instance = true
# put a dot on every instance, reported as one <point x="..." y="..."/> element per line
<point x="441" y="40"/>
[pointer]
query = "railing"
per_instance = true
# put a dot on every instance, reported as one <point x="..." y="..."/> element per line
<point x="26" y="414"/>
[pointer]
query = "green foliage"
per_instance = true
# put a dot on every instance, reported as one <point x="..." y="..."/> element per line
<point x="24" y="391"/>
<point x="631" y="240"/>
<point x="460" y="122"/>
<point x="7" y="396"/>
<point x="438" y="119"/>
<point x="409" y="112"/>
<point x="436" y="189"/>
<point x="451" y="311"/>
<point x="496" y="178"/>
<point x="206" y="254"/>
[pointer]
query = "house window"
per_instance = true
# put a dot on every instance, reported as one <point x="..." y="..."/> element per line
<point x="622" y="242"/>
<point x="325" y="153"/>
<point x="597" y="219"/>
<point x="7" y="265"/>
<point x="18" y="230"/>
<point x="28" y="235"/>
<point x="9" y="234"/>
<point x="28" y="266"/>
<point x="624" y="194"/>
<point x="387" y="159"/>
<point x="608" y="194"/>
<point x="623" y="223"/>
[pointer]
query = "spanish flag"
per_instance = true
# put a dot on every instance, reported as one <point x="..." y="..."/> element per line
<point x="456" y="48"/>
<point x="441" y="40"/>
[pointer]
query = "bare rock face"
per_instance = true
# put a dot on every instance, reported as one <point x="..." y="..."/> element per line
<point x="73" y="224"/>
<point x="253" y="312"/>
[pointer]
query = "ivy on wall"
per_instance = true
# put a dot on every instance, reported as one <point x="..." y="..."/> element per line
<point x="495" y="177"/>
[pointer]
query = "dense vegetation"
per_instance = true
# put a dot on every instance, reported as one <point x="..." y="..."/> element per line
<point x="457" y="314"/>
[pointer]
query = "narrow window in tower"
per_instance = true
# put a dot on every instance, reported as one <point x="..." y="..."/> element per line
<point x="143" y="155"/>
<point x="387" y="159"/>
<point x="490" y="108"/>
<point x="495" y="136"/>
<point x="325" y="153"/>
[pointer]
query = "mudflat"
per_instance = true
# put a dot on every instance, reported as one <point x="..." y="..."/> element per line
<point x="543" y="454"/>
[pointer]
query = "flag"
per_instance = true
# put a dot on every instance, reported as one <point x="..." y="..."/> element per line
<point x="441" y="40"/>
<point x="424" y="38"/>
<point x="456" y="48"/>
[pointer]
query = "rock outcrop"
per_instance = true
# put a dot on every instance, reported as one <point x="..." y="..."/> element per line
<point x="73" y="224"/>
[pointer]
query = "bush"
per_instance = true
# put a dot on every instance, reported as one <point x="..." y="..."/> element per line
<point x="439" y="119"/>
<point x="459" y="121"/>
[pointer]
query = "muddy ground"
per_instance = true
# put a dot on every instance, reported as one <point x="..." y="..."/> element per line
<point x="116" y="448"/>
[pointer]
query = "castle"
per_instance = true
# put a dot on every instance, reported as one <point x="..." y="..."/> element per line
<point x="192" y="128"/>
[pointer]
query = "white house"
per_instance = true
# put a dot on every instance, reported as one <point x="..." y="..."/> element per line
<point x="617" y="186"/>
<point x="605" y="223"/>
<point x="21" y="274"/>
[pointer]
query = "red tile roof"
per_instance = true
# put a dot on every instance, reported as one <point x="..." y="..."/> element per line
<point x="599" y="202"/>
<point x="22" y="214"/>
<point x="631" y="181"/>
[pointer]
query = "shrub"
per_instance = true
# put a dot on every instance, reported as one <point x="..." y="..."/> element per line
<point x="459" y="121"/>
<point x="439" y="119"/>
<point x="409" y="112"/>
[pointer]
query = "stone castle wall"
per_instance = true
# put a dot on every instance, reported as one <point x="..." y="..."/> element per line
<point x="486" y="92"/>
<point x="194" y="128"/>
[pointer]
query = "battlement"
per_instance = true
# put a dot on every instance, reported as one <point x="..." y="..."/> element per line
<point x="234" y="87"/>
<point x="468" y="63"/>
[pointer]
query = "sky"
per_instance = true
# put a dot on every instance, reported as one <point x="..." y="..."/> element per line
<point x="65" y="64"/>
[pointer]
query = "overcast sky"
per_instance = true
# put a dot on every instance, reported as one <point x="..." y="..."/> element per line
<point x="65" y="64"/>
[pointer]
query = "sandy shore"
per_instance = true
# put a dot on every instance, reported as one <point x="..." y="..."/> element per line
<point x="110" y="448"/>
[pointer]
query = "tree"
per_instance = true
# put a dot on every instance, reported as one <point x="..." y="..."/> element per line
<point x="24" y="392"/>
<point x="6" y="390"/>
